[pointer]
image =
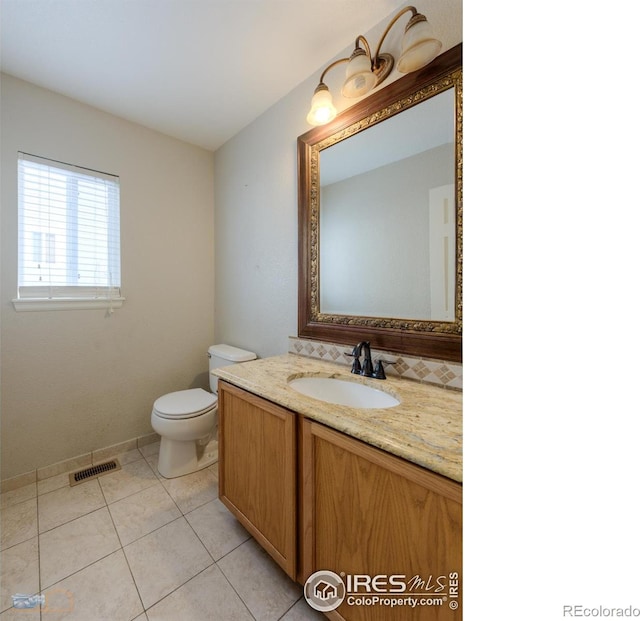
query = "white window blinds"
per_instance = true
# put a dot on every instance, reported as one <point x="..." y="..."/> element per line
<point x="68" y="231"/>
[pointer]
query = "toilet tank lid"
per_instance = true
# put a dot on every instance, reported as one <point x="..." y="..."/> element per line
<point x="233" y="354"/>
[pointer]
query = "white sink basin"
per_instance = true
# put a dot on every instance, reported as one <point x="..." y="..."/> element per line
<point x="343" y="392"/>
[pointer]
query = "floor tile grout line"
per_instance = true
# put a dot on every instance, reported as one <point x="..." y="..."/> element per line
<point x="19" y="543"/>
<point x="286" y="612"/>
<point x="163" y="479"/>
<point x="196" y="533"/>
<point x="112" y="502"/>
<point x="152" y="531"/>
<point x="132" y="493"/>
<point x="179" y="586"/>
<point x="184" y="515"/>
<point x="44" y="532"/>
<point x="81" y="569"/>
<point x="115" y="528"/>
<point x="142" y="489"/>
<point x="234" y="549"/>
<point x="133" y="578"/>
<point x="231" y="583"/>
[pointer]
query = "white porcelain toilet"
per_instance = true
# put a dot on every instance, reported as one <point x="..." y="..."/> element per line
<point x="187" y="420"/>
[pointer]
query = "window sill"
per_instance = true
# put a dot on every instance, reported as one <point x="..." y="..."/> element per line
<point x="49" y="304"/>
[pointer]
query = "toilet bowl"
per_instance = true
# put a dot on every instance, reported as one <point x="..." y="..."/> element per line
<point x="187" y="420"/>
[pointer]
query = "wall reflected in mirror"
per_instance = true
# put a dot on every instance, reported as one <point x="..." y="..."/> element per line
<point x="388" y="217"/>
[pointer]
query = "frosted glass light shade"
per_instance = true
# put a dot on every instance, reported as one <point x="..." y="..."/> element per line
<point x="322" y="108"/>
<point x="419" y="47"/>
<point x="360" y="79"/>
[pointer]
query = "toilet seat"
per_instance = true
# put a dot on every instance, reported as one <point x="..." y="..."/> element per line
<point x="185" y="404"/>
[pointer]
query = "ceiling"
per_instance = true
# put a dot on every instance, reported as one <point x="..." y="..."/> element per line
<point x="198" y="70"/>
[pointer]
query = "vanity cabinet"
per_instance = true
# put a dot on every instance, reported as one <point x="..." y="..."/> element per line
<point x="257" y="470"/>
<point x="317" y="499"/>
<point x="365" y="511"/>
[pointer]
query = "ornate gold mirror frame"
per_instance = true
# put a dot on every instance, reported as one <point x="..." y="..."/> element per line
<point x="434" y="339"/>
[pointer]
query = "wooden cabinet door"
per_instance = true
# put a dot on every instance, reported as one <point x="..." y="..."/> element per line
<point x="365" y="512"/>
<point x="257" y="470"/>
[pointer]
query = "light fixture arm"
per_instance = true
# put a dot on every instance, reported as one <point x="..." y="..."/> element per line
<point x="414" y="12"/>
<point x="366" y="45"/>
<point x="331" y="66"/>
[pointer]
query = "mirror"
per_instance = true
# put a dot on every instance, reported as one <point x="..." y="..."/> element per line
<point x="380" y="216"/>
<point x="387" y="216"/>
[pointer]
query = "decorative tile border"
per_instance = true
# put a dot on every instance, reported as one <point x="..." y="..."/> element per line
<point x="426" y="370"/>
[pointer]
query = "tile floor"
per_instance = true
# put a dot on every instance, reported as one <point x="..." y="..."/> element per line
<point x="133" y="546"/>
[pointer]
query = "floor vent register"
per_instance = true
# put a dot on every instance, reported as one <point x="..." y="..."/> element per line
<point x="92" y="472"/>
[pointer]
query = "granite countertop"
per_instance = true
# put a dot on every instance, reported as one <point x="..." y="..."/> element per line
<point x="425" y="428"/>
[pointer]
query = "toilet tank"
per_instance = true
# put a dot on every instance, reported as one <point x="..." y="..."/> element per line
<point x="222" y="356"/>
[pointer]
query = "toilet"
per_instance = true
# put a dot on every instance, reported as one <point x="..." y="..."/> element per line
<point x="187" y="420"/>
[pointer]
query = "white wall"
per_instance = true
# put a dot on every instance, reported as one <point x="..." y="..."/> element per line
<point x="256" y="241"/>
<point x="76" y="381"/>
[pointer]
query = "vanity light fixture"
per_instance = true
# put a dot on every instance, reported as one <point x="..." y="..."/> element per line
<point x="366" y="71"/>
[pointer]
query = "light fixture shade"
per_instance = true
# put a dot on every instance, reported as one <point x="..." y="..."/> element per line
<point x="360" y="78"/>
<point x="322" y="108"/>
<point x="419" y="46"/>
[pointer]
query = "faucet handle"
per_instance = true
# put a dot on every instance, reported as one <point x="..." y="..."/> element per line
<point x="378" y="372"/>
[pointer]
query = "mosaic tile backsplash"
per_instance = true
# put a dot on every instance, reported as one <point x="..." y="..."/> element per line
<point x="426" y="370"/>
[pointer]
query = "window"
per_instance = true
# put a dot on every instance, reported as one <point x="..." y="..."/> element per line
<point x="68" y="236"/>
